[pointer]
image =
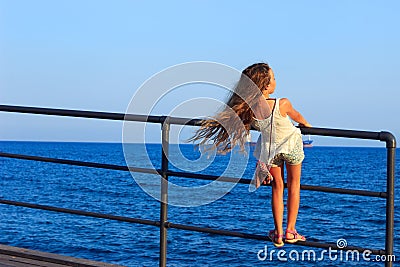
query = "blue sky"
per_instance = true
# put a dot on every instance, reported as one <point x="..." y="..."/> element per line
<point x="337" y="61"/>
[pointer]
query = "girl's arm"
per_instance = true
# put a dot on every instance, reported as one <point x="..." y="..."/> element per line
<point x="287" y="109"/>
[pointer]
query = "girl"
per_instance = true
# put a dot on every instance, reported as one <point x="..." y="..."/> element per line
<point x="249" y="106"/>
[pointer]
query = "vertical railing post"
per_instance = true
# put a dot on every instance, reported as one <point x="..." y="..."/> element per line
<point x="164" y="190"/>
<point x="390" y="204"/>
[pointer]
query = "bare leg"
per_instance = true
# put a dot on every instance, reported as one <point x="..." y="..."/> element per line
<point x="277" y="199"/>
<point x="293" y="201"/>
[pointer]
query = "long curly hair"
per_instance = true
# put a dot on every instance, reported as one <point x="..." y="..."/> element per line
<point x="231" y="126"/>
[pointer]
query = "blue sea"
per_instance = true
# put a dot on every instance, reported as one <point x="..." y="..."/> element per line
<point x="323" y="217"/>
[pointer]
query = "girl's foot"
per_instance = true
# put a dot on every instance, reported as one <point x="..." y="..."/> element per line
<point x="292" y="236"/>
<point x="276" y="238"/>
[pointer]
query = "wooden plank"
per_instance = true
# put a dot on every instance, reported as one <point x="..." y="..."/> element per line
<point x="21" y="257"/>
<point x="13" y="261"/>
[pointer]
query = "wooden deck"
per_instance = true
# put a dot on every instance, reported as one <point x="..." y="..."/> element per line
<point x="21" y="257"/>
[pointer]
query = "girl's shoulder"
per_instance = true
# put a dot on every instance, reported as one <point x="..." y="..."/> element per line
<point x="284" y="102"/>
<point x="284" y="106"/>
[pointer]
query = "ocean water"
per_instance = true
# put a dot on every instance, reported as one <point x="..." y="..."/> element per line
<point x="323" y="217"/>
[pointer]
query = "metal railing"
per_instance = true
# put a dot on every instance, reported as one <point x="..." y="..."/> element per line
<point x="164" y="224"/>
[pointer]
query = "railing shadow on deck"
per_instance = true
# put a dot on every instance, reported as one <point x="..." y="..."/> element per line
<point x="163" y="224"/>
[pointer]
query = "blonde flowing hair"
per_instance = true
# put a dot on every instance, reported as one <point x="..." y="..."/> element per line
<point x="231" y="126"/>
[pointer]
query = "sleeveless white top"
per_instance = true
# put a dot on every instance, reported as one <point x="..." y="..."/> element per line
<point x="282" y="138"/>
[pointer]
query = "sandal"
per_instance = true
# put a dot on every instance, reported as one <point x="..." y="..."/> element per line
<point x="274" y="237"/>
<point x="296" y="237"/>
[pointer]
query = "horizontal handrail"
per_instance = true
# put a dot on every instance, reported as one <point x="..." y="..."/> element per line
<point x="188" y="174"/>
<point x="79" y="212"/>
<point x="265" y="238"/>
<point x="178" y="226"/>
<point x="381" y="136"/>
<point x="98" y="115"/>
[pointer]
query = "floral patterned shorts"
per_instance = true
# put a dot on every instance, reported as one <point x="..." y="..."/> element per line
<point x="295" y="157"/>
